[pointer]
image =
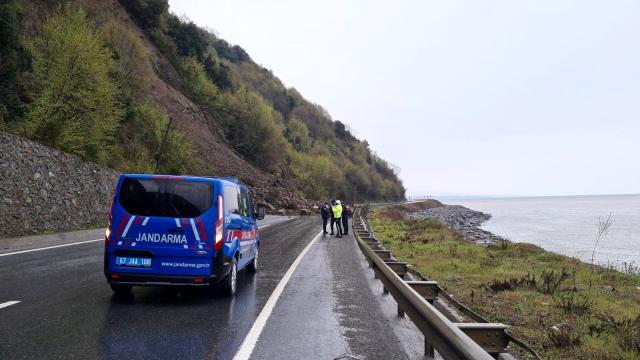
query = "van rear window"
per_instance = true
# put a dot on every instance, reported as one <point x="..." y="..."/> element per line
<point x="166" y="198"/>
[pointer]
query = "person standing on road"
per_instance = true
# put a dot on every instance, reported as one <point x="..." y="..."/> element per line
<point x="346" y="211"/>
<point x="337" y="215"/>
<point x="333" y="203"/>
<point x="325" y="212"/>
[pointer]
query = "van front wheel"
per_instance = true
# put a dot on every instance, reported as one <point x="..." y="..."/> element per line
<point x="231" y="281"/>
<point x="253" y="266"/>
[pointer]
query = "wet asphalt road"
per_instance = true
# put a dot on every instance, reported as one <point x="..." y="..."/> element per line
<point x="67" y="310"/>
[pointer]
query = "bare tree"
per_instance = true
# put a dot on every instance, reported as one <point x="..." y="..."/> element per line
<point x="603" y="230"/>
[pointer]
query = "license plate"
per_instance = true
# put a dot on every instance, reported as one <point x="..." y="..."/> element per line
<point x="133" y="261"/>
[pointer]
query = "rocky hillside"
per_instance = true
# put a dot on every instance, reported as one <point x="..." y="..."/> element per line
<point x="130" y="85"/>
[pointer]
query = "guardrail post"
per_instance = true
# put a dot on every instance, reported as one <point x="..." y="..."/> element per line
<point x="429" y="351"/>
<point x="428" y="289"/>
<point x="400" y="268"/>
<point x="383" y="254"/>
<point x="492" y="337"/>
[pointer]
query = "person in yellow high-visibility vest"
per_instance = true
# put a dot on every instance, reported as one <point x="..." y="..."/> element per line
<point x="337" y="216"/>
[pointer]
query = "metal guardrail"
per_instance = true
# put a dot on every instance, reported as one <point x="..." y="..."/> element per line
<point x="415" y="299"/>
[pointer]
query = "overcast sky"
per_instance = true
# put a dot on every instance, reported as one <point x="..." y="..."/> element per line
<point x="465" y="97"/>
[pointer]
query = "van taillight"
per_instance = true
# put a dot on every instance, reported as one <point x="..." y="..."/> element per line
<point x="107" y="233"/>
<point x="218" y="244"/>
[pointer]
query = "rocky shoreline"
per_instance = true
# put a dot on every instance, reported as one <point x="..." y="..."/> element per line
<point x="461" y="219"/>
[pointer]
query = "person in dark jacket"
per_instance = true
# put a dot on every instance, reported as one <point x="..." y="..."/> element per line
<point x="325" y="212"/>
<point x="333" y="202"/>
<point x="346" y="211"/>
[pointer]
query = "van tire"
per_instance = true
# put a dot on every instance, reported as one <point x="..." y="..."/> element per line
<point x="230" y="283"/>
<point x="253" y="265"/>
<point x="121" y="289"/>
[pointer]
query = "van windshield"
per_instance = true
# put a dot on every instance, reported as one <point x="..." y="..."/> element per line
<point x="165" y="197"/>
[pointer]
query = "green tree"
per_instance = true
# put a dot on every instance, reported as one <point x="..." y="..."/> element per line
<point x="218" y="72"/>
<point x="149" y="14"/>
<point x="195" y="79"/>
<point x="133" y="67"/>
<point x="317" y="176"/>
<point x="298" y="135"/>
<point x="75" y="107"/>
<point x="141" y="136"/>
<point x="13" y="62"/>
<point x="254" y="129"/>
<point x="189" y="38"/>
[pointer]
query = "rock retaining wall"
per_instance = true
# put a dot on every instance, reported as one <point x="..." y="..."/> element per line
<point x="43" y="189"/>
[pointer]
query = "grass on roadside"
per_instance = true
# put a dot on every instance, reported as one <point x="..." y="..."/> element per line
<point x="563" y="307"/>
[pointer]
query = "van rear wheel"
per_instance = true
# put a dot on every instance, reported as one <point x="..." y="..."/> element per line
<point x="253" y="266"/>
<point x="230" y="283"/>
<point x="121" y="289"/>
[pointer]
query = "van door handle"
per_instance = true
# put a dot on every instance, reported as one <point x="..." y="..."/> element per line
<point x="176" y="230"/>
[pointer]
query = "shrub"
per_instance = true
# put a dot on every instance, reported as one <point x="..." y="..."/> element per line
<point x="564" y="335"/>
<point x="551" y="280"/>
<point x="573" y="302"/>
<point x="628" y="329"/>
<point x="512" y="283"/>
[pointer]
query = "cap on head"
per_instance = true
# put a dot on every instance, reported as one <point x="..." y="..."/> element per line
<point x="337" y="201"/>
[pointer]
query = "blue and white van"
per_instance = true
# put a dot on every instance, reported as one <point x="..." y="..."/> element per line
<point x="180" y="230"/>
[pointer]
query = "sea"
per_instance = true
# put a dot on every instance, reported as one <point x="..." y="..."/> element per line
<point x="567" y="225"/>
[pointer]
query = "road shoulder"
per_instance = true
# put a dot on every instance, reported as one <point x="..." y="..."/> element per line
<point x="328" y="309"/>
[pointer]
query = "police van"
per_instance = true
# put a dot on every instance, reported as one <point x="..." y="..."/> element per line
<point x="180" y="230"/>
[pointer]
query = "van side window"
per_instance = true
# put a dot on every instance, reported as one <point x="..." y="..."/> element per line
<point x="231" y="199"/>
<point x="245" y="203"/>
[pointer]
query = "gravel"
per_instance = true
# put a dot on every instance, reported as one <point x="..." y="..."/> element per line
<point x="461" y="219"/>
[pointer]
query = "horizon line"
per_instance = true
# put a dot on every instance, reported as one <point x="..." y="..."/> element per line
<point x="461" y="196"/>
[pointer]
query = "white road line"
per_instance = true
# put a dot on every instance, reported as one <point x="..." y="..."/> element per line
<point x="8" y="303"/>
<point x="279" y="222"/>
<point x="249" y="342"/>
<point x="50" y="247"/>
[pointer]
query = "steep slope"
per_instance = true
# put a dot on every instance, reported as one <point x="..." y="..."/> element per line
<point x="213" y="154"/>
<point x="182" y="101"/>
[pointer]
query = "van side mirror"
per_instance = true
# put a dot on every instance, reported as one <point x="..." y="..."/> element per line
<point x="260" y="212"/>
